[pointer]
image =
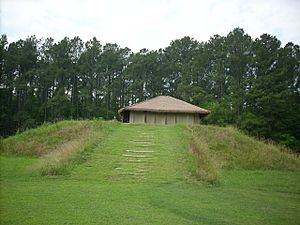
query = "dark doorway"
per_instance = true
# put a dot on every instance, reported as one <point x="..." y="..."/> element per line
<point x="126" y="116"/>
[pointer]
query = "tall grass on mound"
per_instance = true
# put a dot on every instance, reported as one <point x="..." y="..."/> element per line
<point x="44" y="139"/>
<point x="57" y="162"/>
<point x="207" y="165"/>
<point x="217" y="147"/>
<point x="60" y="146"/>
<point x="74" y="152"/>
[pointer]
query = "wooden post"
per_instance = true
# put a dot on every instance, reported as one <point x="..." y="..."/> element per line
<point x="166" y="118"/>
<point x="145" y="117"/>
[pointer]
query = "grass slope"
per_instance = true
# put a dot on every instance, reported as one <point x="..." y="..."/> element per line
<point x="217" y="148"/>
<point x="139" y="174"/>
<point x="45" y="139"/>
<point x="60" y="146"/>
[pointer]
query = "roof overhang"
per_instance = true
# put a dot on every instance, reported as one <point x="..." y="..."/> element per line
<point x="165" y="104"/>
<point x="121" y="111"/>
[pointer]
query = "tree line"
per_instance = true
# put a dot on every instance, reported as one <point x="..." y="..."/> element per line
<point x="249" y="83"/>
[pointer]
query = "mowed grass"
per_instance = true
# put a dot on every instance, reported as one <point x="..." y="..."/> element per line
<point x="166" y="192"/>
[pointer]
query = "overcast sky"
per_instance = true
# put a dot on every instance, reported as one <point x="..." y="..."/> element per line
<point x="151" y="24"/>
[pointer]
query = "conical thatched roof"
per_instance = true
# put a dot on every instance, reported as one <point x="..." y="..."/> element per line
<point x="165" y="104"/>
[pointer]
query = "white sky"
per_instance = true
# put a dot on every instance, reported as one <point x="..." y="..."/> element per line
<point x="151" y="24"/>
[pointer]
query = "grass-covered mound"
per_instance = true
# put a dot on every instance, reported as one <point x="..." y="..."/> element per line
<point x="216" y="148"/>
<point x="140" y="174"/>
<point x="45" y="138"/>
<point x="59" y="145"/>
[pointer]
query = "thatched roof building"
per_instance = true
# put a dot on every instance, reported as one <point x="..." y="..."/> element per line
<point x="163" y="110"/>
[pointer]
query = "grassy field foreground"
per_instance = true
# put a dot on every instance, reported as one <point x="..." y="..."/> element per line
<point x="141" y="174"/>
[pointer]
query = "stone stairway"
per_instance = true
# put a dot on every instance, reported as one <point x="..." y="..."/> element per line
<point x="136" y="153"/>
<point x="138" y="158"/>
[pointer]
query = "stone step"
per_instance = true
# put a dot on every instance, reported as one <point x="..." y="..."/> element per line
<point x="142" y="143"/>
<point x="140" y="151"/>
<point x="144" y="137"/>
<point x="143" y="146"/>
<point x="137" y="156"/>
<point x="138" y="160"/>
<point x="130" y="173"/>
<point x="143" y="140"/>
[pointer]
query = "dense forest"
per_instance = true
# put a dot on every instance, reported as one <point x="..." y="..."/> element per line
<point x="252" y="84"/>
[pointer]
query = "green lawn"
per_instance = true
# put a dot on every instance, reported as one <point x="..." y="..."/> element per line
<point x="139" y="174"/>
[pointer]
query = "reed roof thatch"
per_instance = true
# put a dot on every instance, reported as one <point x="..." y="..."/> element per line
<point x="165" y="104"/>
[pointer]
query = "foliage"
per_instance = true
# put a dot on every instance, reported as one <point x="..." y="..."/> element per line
<point x="251" y="84"/>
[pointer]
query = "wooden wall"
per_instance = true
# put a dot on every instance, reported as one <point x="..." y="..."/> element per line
<point x="163" y="118"/>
